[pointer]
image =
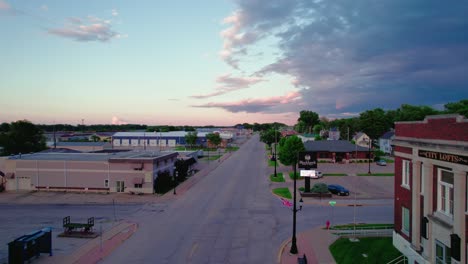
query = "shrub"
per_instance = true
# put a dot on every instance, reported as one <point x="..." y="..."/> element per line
<point x="320" y="188"/>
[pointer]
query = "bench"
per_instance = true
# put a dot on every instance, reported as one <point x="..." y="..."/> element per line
<point x="84" y="227"/>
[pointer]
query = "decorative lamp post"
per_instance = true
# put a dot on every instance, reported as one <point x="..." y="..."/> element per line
<point x="174" y="177"/>
<point x="293" y="243"/>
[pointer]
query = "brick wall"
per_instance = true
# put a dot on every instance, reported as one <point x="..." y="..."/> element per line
<point x="434" y="128"/>
<point x="404" y="150"/>
<point x="402" y="197"/>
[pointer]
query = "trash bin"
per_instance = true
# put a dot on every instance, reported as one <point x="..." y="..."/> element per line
<point x="31" y="245"/>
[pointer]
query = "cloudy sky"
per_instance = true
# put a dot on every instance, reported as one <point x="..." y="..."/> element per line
<point x="226" y="62"/>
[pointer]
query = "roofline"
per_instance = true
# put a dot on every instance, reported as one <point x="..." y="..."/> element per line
<point x="459" y="118"/>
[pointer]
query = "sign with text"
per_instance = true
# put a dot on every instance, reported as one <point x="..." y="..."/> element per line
<point x="452" y="158"/>
<point x="307" y="160"/>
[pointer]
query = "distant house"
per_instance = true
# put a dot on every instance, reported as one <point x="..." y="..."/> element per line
<point x="337" y="150"/>
<point x="307" y="137"/>
<point x="361" y="139"/>
<point x="287" y="133"/>
<point x="334" y="134"/>
<point x="385" y="142"/>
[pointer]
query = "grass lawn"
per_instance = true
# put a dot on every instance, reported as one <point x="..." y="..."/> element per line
<point x="363" y="226"/>
<point x="283" y="192"/>
<point x="232" y="148"/>
<point x="377" y="249"/>
<point x="298" y="176"/>
<point x="279" y="177"/>
<point x="272" y="163"/>
<point x="389" y="160"/>
<point x="376" y="174"/>
<point x="335" y="174"/>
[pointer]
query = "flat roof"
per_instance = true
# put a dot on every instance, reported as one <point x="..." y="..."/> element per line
<point x="158" y="134"/>
<point x="92" y="156"/>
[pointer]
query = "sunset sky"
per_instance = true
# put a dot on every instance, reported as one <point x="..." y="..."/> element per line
<point x="225" y="62"/>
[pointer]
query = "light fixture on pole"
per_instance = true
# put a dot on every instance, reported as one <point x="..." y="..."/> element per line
<point x="174" y="176"/>
<point x="293" y="243"/>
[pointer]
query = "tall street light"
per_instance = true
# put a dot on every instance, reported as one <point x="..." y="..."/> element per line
<point x="294" y="244"/>
<point x="174" y="176"/>
<point x="370" y="142"/>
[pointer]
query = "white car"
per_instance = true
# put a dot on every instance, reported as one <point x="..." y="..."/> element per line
<point x="318" y="175"/>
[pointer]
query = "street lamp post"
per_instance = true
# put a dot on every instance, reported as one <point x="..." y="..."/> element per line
<point x="174" y="176"/>
<point x="370" y="142"/>
<point x="293" y="243"/>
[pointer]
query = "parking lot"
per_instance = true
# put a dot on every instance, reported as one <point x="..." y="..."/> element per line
<point x="363" y="187"/>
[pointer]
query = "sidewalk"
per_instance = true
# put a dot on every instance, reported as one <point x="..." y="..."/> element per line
<point x="313" y="243"/>
<point x="96" y="249"/>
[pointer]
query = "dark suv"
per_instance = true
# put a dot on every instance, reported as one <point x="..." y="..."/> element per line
<point x="338" y="189"/>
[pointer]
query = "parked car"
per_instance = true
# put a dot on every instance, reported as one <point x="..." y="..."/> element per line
<point x="338" y="189"/>
<point x="381" y="163"/>
<point x="318" y="175"/>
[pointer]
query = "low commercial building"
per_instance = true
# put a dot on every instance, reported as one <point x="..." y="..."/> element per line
<point x="126" y="171"/>
<point x="337" y="150"/>
<point x="431" y="171"/>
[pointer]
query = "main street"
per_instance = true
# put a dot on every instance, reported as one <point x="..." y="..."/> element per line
<point x="229" y="216"/>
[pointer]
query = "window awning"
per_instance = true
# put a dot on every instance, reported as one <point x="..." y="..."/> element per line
<point x="138" y="180"/>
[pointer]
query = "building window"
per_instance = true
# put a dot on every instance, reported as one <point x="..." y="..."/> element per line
<point x="405" y="173"/>
<point x="405" y="224"/>
<point x="138" y="185"/>
<point x="445" y="192"/>
<point x="106" y="183"/>
<point x="442" y="253"/>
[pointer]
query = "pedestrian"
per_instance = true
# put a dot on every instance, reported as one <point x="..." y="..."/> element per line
<point x="328" y="224"/>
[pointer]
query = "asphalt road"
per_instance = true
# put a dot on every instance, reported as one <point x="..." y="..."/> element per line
<point x="229" y="216"/>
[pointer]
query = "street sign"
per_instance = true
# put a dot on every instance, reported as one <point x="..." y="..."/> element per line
<point x="332" y="203"/>
<point x="307" y="160"/>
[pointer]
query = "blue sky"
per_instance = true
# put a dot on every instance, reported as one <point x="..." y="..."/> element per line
<point x="226" y="62"/>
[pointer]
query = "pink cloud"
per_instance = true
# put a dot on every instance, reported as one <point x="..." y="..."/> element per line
<point x="117" y="121"/>
<point x="229" y="84"/>
<point x="96" y="30"/>
<point x="4" y="6"/>
<point x="255" y="105"/>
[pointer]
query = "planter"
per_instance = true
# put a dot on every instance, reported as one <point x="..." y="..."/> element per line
<point x="316" y="195"/>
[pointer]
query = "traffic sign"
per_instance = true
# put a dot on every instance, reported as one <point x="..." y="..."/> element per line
<point x="332" y="203"/>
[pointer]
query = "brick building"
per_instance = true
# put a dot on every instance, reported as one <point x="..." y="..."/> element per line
<point x="431" y="164"/>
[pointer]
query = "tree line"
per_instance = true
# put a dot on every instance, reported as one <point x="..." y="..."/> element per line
<point x="373" y="122"/>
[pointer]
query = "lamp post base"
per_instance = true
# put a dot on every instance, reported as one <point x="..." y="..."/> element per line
<point x="293" y="247"/>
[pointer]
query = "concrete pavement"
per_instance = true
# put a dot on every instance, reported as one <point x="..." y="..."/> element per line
<point x="314" y="243"/>
<point x="96" y="249"/>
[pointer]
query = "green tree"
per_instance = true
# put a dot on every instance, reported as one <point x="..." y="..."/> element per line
<point x="22" y="137"/>
<point x="317" y="128"/>
<point x="191" y="138"/>
<point x="214" y="138"/>
<point x="408" y="112"/>
<point x="289" y="150"/>
<point x="181" y="167"/>
<point x="95" y="138"/>
<point x="374" y="123"/>
<point x="307" y="120"/>
<point x="457" y="107"/>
